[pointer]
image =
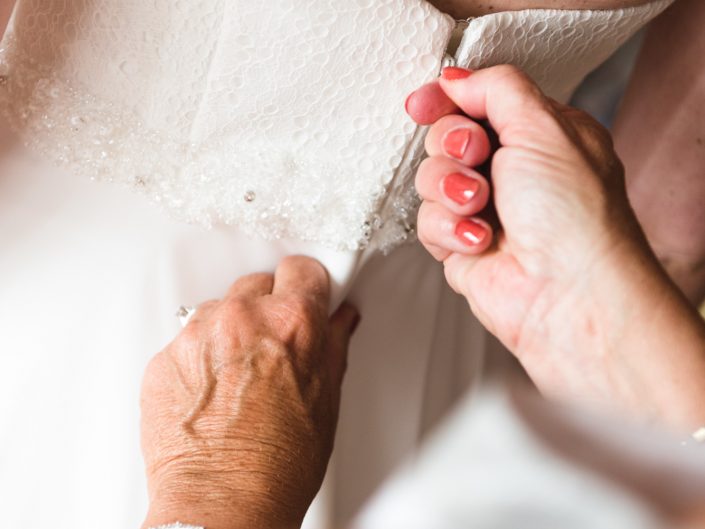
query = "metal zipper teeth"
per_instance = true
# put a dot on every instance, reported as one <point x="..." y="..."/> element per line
<point x="399" y="180"/>
<point x="461" y="24"/>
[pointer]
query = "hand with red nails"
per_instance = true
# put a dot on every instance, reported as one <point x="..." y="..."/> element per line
<point x="568" y="283"/>
<point x="239" y="412"/>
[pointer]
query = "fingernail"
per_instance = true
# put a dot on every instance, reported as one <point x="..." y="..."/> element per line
<point x="453" y="73"/>
<point x="406" y="103"/>
<point x="456" y="142"/>
<point x="470" y="233"/>
<point x="460" y="188"/>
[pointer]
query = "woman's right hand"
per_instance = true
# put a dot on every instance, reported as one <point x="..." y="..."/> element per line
<point x="239" y="411"/>
<point x="569" y="284"/>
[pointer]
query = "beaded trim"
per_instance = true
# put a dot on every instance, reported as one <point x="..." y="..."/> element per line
<point x="344" y="159"/>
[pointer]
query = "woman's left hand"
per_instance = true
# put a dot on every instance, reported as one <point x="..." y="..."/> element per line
<point x="239" y="412"/>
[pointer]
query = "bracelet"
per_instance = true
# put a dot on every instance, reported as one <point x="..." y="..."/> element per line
<point x="177" y="525"/>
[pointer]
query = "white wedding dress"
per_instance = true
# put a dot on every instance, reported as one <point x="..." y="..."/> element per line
<point x="153" y="152"/>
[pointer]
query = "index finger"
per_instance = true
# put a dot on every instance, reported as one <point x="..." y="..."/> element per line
<point x="512" y="102"/>
<point x="305" y="277"/>
<point x="429" y="103"/>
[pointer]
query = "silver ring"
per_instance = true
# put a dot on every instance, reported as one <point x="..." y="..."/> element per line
<point x="185" y="314"/>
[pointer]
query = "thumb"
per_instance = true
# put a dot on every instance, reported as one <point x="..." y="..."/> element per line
<point x="507" y="97"/>
<point x="343" y="325"/>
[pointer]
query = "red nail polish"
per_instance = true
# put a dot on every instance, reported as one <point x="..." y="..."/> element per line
<point x="456" y="142"/>
<point x="453" y="73"/>
<point x="406" y="103"/>
<point x="460" y="188"/>
<point x="470" y="233"/>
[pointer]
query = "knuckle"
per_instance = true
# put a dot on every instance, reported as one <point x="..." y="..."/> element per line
<point x="513" y="75"/>
<point x="190" y="335"/>
<point x="294" y="309"/>
<point x="425" y="166"/>
<point x="503" y="160"/>
<point x="302" y="309"/>
<point x="231" y="317"/>
<point x="299" y="321"/>
<point x="452" y="121"/>
<point x="272" y="353"/>
<point x="310" y="264"/>
<point x="424" y="174"/>
<point x="313" y="268"/>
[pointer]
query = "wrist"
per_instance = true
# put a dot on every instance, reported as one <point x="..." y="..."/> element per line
<point x="207" y="502"/>
<point x="644" y="343"/>
<point x="198" y="514"/>
<point x="661" y="347"/>
<point x="212" y="511"/>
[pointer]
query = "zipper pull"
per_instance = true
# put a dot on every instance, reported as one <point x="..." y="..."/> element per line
<point x="448" y="61"/>
<point x="449" y="57"/>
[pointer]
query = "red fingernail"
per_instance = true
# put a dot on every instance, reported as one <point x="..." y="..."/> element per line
<point x="456" y="142"/>
<point x="470" y="233"/>
<point x="453" y="73"/>
<point x="460" y="188"/>
<point x="406" y="103"/>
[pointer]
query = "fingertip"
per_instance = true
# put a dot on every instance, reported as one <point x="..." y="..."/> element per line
<point x="429" y="103"/>
<point x="459" y="138"/>
<point x="347" y="317"/>
<point x="475" y="235"/>
<point x="440" y="229"/>
<point x="454" y="73"/>
<point x="343" y="325"/>
<point x="303" y="275"/>
<point x="462" y="190"/>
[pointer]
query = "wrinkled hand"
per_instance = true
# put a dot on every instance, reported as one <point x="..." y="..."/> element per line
<point x="545" y="283"/>
<point x="239" y="411"/>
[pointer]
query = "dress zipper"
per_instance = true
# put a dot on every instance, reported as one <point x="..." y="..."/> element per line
<point x="449" y="57"/>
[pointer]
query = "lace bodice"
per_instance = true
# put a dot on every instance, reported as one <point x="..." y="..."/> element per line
<point x="284" y="119"/>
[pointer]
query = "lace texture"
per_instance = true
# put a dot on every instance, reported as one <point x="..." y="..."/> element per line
<point x="285" y="120"/>
<point x="557" y="48"/>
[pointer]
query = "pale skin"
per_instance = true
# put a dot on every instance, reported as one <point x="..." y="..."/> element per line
<point x="660" y="135"/>
<point x="570" y="284"/>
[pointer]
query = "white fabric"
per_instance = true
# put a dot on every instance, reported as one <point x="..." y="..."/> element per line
<point x="91" y="273"/>
<point x="270" y="122"/>
<point x="505" y="461"/>
<point x="557" y="48"/>
<point x="224" y="114"/>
